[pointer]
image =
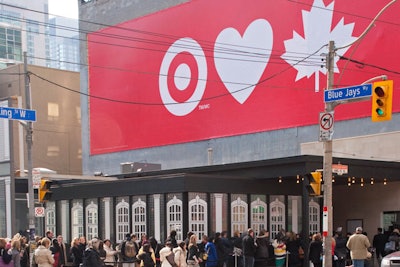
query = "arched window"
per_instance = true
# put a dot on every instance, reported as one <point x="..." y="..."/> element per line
<point x="77" y="220"/>
<point x="122" y="223"/>
<point x="139" y="217"/>
<point x="198" y="217"/>
<point x="50" y="213"/>
<point x="91" y="221"/>
<point x="314" y="219"/>
<point x="277" y="211"/>
<point x="174" y="217"/>
<point x="258" y="216"/>
<point x="239" y="215"/>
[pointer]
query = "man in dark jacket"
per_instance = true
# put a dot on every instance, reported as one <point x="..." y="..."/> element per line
<point x="249" y="249"/>
<point x="91" y="257"/>
<point x="378" y="243"/>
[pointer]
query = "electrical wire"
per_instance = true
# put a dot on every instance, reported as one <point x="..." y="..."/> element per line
<point x="228" y="51"/>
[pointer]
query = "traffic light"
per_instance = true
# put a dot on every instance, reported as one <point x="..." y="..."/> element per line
<point x="314" y="183"/>
<point x="44" y="190"/>
<point x="382" y="95"/>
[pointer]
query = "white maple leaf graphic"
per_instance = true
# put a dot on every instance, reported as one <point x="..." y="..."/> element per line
<point x="317" y="25"/>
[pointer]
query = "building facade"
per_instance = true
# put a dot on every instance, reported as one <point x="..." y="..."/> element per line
<point x="132" y="54"/>
<point x="56" y="135"/>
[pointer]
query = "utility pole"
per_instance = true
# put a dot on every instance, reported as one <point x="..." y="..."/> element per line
<point x="31" y="199"/>
<point x="329" y="107"/>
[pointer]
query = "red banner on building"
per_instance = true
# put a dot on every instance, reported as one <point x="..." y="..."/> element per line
<point x="208" y="69"/>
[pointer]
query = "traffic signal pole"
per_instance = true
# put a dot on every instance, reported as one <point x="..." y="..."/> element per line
<point x="28" y="127"/>
<point x="327" y="164"/>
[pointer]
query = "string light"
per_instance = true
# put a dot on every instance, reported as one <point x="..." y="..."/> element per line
<point x="384" y="181"/>
<point x="362" y="181"/>
<point x="372" y="180"/>
<point x="297" y="179"/>
<point x="353" y="181"/>
<point x="280" y="179"/>
<point x="348" y="181"/>
<point x="333" y="179"/>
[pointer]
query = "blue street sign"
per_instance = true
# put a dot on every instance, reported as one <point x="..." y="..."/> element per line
<point x="346" y="93"/>
<point x="17" y="114"/>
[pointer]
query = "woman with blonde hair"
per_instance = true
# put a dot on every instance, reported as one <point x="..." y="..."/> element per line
<point x="43" y="255"/>
<point x="76" y="252"/>
<point x="15" y="252"/>
<point x="193" y="258"/>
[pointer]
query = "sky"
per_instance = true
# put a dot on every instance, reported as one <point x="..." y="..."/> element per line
<point x="65" y="8"/>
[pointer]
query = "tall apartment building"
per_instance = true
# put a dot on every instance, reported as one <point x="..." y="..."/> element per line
<point x="64" y="43"/>
<point x="48" y="41"/>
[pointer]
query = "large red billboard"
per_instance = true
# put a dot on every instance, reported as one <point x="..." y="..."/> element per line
<point x="208" y="69"/>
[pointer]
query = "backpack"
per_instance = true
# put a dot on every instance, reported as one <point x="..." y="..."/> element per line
<point x="130" y="249"/>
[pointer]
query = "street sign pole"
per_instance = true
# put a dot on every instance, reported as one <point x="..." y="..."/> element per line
<point x="327" y="164"/>
<point x="31" y="200"/>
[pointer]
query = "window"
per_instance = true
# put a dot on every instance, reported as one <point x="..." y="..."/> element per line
<point x="314" y="220"/>
<point x="277" y="211"/>
<point x="139" y="217"/>
<point x="239" y="215"/>
<point x="391" y="220"/>
<point x="258" y="216"/>
<point x="198" y="217"/>
<point x="174" y="217"/>
<point x="53" y="113"/>
<point x="122" y="224"/>
<point x="50" y="217"/>
<point x="77" y="220"/>
<point x="91" y="221"/>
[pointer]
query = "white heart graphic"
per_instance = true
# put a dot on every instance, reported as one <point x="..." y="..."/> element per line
<point x="240" y="61"/>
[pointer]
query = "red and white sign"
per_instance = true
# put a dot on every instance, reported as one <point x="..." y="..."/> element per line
<point x="208" y="69"/>
<point x="340" y="169"/>
<point x="39" y="212"/>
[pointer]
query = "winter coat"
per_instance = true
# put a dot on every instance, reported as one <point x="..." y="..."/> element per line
<point x="249" y="248"/>
<point x="91" y="258"/>
<point x="262" y="250"/>
<point x="315" y="251"/>
<point x="164" y="252"/>
<point x="43" y="257"/>
<point x="180" y="256"/>
<point x="358" y="245"/>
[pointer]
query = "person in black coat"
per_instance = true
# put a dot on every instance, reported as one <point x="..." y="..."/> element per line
<point x="237" y="254"/>
<point x="315" y="250"/>
<point x="340" y="249"/>
<point x="292" y="247"/>
<point x="262" y="251"/>
<point x="91" y="256"/>
<point x="249" y="249"/>
<point x="76" y="252"/>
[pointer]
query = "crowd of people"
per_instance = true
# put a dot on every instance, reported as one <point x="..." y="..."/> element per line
<point x="241" y="250"/>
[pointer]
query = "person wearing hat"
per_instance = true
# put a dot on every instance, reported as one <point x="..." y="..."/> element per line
<point x="358" y="245"/>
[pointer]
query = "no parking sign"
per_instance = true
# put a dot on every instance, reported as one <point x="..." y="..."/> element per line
<point x="39" y="212"/>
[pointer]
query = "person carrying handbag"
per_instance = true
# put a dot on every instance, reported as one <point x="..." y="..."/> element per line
<point x="193" y="259"/>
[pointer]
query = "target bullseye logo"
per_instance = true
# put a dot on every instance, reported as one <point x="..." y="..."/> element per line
<point x="180" y="88"/>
